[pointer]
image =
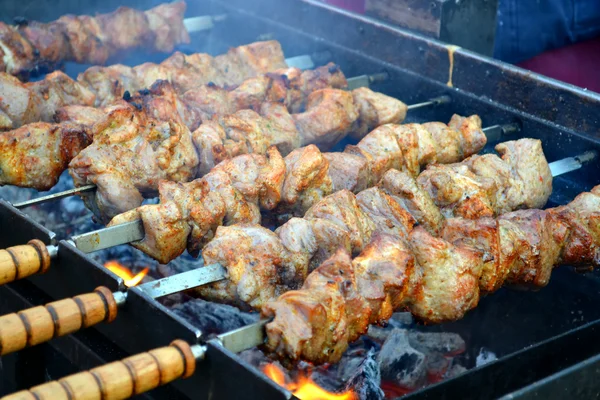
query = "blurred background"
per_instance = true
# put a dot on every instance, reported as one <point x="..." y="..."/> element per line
<point x="556" y="38"/>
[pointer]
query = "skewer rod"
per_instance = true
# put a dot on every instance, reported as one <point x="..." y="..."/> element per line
<point x="55" y="196"/>
<point x="202" y="22"/>
<point x="365" y="79"/>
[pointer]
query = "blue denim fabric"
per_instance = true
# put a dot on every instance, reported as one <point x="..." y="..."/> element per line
<point x="526" y="28"/>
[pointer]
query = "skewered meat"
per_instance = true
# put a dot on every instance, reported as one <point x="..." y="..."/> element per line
<point x="203" y="102"/>
<point x="130" y="154"/>
<point x="185" y="72"/>
<point x="33" y="47"/>
<point x="101" y="86"/>
<point x="162" y="103"/>
<point x="222" y="138"/>
<point x="436" y="279"/>
<point x="23" y="103"/>
<point x="33" y="153"/>
<point x="302" y="182"/>
<point x="372" y="212"/>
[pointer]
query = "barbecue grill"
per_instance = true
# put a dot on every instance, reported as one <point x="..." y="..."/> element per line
<point x="544" y="342"/>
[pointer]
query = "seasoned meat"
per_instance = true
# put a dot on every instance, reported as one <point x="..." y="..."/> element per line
<point x="37" y="154"/>
<point x="489" y="185"/>
<point x="330" y="115"/>
<point x="342" y="209"/>
<point x="436" y="279"/>
<point x="254" y="257"/>
<point x="406" y="192"/>
<point x="307" y="179"/>
<point x="130" y="154"/>
<point x="34" y="47"/>
<point x="185" y="72"/>
<point x="376" y="109"/>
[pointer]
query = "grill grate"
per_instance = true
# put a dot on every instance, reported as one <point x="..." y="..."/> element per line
<point x="535" y="335"/>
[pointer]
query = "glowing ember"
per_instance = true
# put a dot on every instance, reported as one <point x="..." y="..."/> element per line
<point x="125" y="273"/>
<point x="305" y="388"/>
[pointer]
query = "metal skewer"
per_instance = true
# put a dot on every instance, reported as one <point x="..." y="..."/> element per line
<point x="89" y="188"/>
<point x="18" y="262"/>
<point x="134" y="231"/>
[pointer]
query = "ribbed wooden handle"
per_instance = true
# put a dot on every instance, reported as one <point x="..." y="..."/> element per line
<point x="40" y="324"/>
<point x="21" y="261"/>
<point x="121" y="379"/>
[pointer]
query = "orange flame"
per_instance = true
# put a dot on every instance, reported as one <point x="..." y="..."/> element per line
<point x="125" y="273"/>
<point x="305" y="388"/>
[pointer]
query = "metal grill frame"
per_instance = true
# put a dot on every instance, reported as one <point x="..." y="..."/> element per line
<point x="418" y="67"/>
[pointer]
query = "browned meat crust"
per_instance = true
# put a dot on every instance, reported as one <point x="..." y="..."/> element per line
<point x="34" y="47"/>
<point x="299" y="183"/>
<point x="436" y="279"/>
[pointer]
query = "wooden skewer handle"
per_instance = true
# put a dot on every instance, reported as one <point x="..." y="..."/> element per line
<point x="21" y="261"/>
<point x="40" y="324"/>
<point x="120" y="379"/>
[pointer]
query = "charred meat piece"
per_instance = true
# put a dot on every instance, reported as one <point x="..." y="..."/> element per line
<point x="436" y="279"/>
<point x="301" y="183"/>
<point x="36" y="47"/>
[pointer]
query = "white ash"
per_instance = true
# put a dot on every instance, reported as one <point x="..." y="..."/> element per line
<point x="366" y="379"/>
<point x="485" y="356"/>
<point x="400" y="362"/>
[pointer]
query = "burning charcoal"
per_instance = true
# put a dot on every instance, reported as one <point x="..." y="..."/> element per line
<point x="349" y="363"/>
<point x="401" y="320"/>
<point x="366" y="379"/>
<point x="214" y="318"/>
<point x="436" y="365"/>
<point x="401" y="363"/>
<point x="454" y="371"/>
<point x="378" y="334"/>
<point x="254" y="357"/>
<point x="447" y="343"/>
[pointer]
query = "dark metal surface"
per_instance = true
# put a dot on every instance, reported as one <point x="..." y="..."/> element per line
<point x="17" y="228"/>
<point x="577" y="382"/>
<point x="468" y="23"/>
<point x="565" y="118"/>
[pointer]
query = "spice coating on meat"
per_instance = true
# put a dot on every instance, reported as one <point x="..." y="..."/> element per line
<point x="489" y="185"/>
<point x="36" y="155"/>
<point x="185" y="72"/>
<point x="130" y="154"/>
<point x="436" y="279"/>
<point x="34" y="46"/>
<point x="300" y="184"/>
<point x="163" y="103"/>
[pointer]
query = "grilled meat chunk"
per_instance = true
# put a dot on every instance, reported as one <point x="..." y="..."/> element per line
<point x="35" y="47"/>
<point x="130" y="154"/>
<point x="36" y="155"/>
<point x="437" y="279"/>
<point x="301" y="184"/>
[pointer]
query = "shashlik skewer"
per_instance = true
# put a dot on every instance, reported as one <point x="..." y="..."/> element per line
<point x="133" y="150"/>
<point x="32" y="47"/>
<point x="28" y="162"/>
<point x="258" y="265"/>
<point x="335" y="179"/>
<point x="22" y="103"/>
<point x="29" y="47"/>
<point x="436" y="279"/>
<point x="235" y="191"/>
